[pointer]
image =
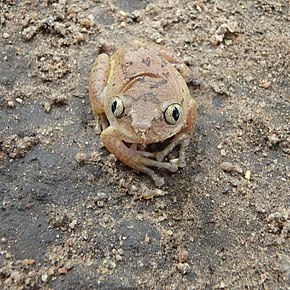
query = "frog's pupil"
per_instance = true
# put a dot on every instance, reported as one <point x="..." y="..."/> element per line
<point x="114" y="106"/>
<point x="175" y="114"/>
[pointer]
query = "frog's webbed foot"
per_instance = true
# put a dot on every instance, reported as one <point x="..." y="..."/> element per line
<point x="102" y="123"/>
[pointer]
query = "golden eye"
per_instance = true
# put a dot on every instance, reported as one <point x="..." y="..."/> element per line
<point x="117" y="107"/>
<point x="173" y="114"/>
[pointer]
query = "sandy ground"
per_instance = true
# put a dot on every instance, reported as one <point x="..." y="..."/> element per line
<point x="73" y="217"/>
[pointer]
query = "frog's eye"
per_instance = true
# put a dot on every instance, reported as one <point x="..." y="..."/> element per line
<point x="173" y="113"/>
<point x="117" y="107"/>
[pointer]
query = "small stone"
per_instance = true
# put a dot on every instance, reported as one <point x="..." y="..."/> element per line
<point x="87" y="23"/>
<point x="123" y="13"/>
<point x="47" y="107"/>
<point x="100" y="203"/>
<point x="8" y="255"/>
<point x="69" y="242"/>
<point x="219" y="146"/>
<point x="119" y="258"/>
<point x="3" y="240"/>
<point x="19" y="100"/>
<point x="44" y="277"/>
<point x="95" y="156"/>
<point x="183" y="268"/>
<point x="223" y="152"/>
<point x="62" y="270"/>
<point x="222" y="285"/>
<point x="227" y="166"/>
<point x="121" y="252"/>
<point x="265" y="84"/>
<point x="10" y="104"/>
<point x="182" y="255"/>
<point x="235" y="182"/>
<point x="238" y="169"/>
<point x="284" y="263"/>
<point x="81" y="157"/>
<point x="109" y="264"/>
<point x="28" y="261"/>
<point x="249" y="78"/>
<point x="147" y="239"/>
<point x="29" y="32"/>
<point x="159" y="40"/>
<point x="73" y="224"/>
<point x="68" y="265"/>
<point x="6" y="35"/>
<point x="248" y="175"/>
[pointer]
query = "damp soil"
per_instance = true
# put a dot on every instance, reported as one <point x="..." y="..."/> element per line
<point x="73" y="217"/>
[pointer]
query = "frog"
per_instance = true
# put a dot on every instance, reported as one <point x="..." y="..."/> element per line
<point x="139" y="96"/>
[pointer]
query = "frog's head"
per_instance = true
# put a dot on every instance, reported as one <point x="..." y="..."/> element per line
<point x="148" y="110"/>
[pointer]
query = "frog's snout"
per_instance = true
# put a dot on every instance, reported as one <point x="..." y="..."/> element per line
<point x="141" y="126"/>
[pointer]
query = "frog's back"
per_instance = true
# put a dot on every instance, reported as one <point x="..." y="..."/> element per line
<point x="139" y="60"/>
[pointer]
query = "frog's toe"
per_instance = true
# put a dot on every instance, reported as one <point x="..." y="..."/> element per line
<point x="159" y="181"/>
<point x="160" y="155"/>
<point x="98" y="127"/>
<point x="180" y="162"/>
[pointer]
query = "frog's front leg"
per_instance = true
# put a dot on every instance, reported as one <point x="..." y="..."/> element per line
<point x="182" y="138"/>
<point x="97" y="83"/>
<point x="134" y="158"/>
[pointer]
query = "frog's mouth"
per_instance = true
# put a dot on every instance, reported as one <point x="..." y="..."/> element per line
<point x="137" y="78"/>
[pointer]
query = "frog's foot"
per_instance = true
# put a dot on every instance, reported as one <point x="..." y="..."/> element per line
<point x="143" y="164"/>
<point x="180" y="161"/>
<point x="144" y="161"/>
<point x="137" y="159"/>
<point x="159" y="181"/>
<point x="101" y="123"/>
<point x="181" y="140"/>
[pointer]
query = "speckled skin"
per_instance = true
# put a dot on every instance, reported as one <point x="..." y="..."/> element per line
<point x="147" y="78"/>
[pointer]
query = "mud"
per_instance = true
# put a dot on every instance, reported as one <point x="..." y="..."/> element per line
<point x="73" y="217"/>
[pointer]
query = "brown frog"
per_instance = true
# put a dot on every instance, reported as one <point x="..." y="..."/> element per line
<point x="139" y="96"/>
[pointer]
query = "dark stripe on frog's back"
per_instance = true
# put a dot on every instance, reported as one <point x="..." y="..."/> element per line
<point x="149" y="97"/>
<point x="151" y="92"/>
<point x="141" y="60"/>
<point x="158" y="84"/>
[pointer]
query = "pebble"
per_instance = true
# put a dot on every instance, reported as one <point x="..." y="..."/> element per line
<point x="265" y="84"/>
<point x="119" y="258"/>
<point x="182" y="255"/>
<point x="81" y="157"/>
<point x="44" y="277"/>
<point x="62" y="270"/>
<point x="29" y="261"/>
<point x="5" y="35"/>
<point x="248" y="175"/>
<point x="235" y="182"/>
<point x="29" y="32"/>
<point x="73" y="224"/>
<point x="227" y="166"/>
<point x="183" y="268"/>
